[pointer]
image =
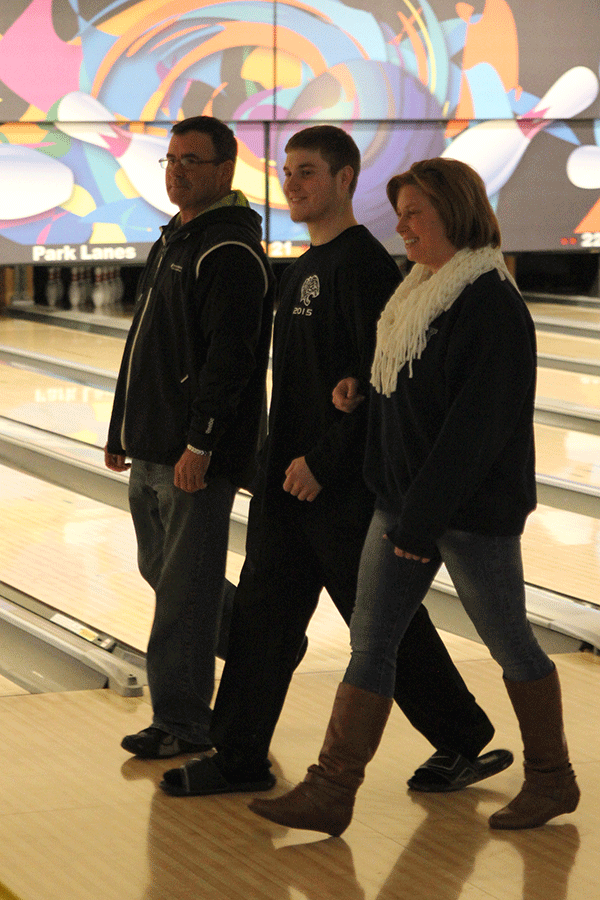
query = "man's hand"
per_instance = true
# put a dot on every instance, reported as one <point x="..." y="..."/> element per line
<point x="300" y="481"/>
<point x="190" y="471"/>
<point x="346" y="396"/>
<point x="115" y="461"/>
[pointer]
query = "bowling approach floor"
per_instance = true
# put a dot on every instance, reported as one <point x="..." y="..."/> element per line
<point x="80" y="819"/>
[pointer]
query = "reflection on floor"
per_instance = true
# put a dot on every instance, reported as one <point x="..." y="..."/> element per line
<point x="80" y="819"/>
<point x="561" y="552"/>
<point x="53" y="404"/>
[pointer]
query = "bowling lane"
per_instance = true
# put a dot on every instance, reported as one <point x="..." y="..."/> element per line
<point x="568" y="390"/>
<point x="48" y="344"/>
<point x="568" y="318"/>
<point x="571" y="352"/>
<point x="76" y="556"/>
<point x="72" y="410"/>
<point x="561" y="553"/>
<point x="66" y="344"/>
<point x="76" y="411"/>
<point x="104" y="352"/>
<point x="567" y="455"/>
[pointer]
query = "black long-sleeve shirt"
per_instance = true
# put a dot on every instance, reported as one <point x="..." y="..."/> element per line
<point x="330" y="299"/>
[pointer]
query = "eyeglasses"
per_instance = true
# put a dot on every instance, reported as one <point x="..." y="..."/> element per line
<point x="187" y="162"/>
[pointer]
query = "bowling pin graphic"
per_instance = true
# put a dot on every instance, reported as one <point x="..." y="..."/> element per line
<point x="85" y="118"/>
<point x="583" y="167"/>
<point x="31" y="183"/>
<point x="494" y="148"/>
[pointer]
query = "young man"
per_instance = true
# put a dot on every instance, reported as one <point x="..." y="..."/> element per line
<point x="310" y="512"/>
<point x="188" y="409"/>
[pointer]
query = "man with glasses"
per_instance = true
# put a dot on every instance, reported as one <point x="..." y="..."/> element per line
<point x="189" y="410"/>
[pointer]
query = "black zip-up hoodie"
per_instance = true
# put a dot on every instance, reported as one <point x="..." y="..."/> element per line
<point x="193" y="369"/>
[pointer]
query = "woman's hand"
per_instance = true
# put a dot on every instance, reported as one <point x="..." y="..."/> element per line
<point x="404" y="554"/>
<point x="346" y="396"/>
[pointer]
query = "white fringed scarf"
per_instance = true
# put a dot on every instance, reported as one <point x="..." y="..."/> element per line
<point x="416" y="302"/>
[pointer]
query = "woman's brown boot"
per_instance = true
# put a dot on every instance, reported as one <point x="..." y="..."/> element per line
<point x="550" y="788"/>
<point x="325" y="799"/>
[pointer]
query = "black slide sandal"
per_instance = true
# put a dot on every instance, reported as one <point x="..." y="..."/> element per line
<point x="201" y="777"/>
<point x="450" y="771"/>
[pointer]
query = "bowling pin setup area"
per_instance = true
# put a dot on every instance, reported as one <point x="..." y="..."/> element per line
<point x="75" y="617"/>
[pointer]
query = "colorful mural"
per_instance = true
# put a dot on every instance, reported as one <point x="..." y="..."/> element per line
<point x="90" y="88"/>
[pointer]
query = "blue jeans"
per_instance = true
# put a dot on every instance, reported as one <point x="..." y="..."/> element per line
<point x="182" y="553"/>
<point x="293" y="550"/>
<point x="487" y="573"/>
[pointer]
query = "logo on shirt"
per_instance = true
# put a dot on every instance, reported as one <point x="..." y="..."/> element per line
<point x="311" y="288"/>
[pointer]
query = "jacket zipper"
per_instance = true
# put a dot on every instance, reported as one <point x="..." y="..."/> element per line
<point x="134" y="341"/>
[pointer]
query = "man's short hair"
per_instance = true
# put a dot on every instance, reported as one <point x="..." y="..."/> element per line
<point x="223" y="138"/>
<point x="336" y="147"/>
<point x="458" y="193"/>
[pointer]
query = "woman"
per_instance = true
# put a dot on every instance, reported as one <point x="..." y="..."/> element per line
<point x="450" y="458"/>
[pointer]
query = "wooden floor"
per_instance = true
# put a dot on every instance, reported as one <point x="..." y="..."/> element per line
<point x="80" y="819"/>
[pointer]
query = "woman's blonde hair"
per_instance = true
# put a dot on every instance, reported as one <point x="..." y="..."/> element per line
<point x="458" y="193"/>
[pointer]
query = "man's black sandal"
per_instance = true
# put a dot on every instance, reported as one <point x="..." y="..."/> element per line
<point x="450" y="771"/>
<point x="201" y="777"/>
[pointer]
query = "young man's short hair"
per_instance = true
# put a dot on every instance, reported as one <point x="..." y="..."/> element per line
<point x="336" y="147"/>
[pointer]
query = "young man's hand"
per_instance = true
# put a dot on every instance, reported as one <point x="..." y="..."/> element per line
<point x="346" y="395"/>
<point x="300" y="481"/>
